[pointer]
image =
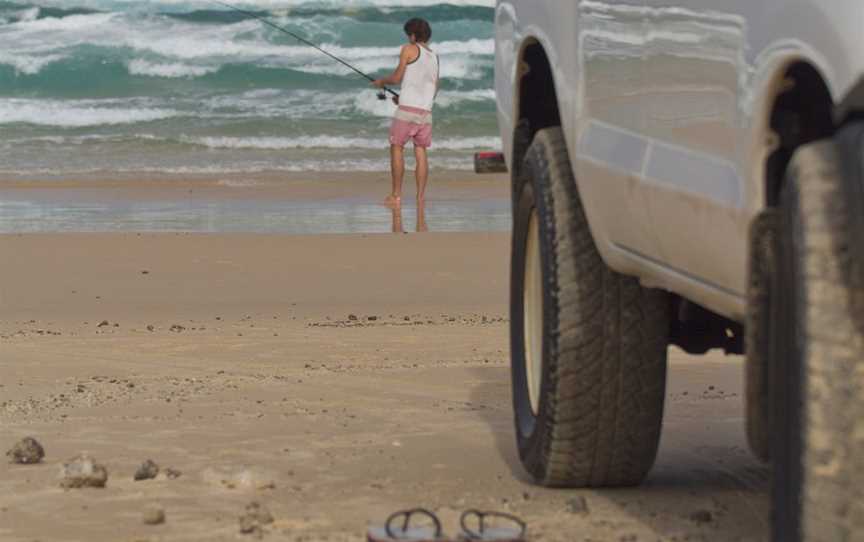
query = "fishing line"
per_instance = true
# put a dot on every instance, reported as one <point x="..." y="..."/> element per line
<point x="304" y="41"/>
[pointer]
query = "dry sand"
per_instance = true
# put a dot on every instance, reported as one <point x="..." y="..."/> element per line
<point x="333" y="379"/>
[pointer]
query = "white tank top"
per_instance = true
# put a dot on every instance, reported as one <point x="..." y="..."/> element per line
<point x="420" y="82"/>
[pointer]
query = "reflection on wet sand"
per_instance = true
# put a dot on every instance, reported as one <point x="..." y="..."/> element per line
<point x="421" y="225"/>
<point x="60" y="210"/>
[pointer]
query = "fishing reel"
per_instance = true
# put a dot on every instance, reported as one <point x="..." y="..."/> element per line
<point x="382" y="95"/>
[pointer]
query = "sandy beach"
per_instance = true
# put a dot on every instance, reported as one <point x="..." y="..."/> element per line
<point x="332" y="378"/>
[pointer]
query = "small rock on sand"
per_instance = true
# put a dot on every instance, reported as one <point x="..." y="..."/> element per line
<point x="104" y="323"/>
<point x="352" y="317"/>
<point x="702" y="516"/>
<point x="578" y="506"/>
<point x="26" y="452"/>
<point x="81" y="472"/>
<point x="172" y="474"/>
<point x="153" y="515"/>
<point x="239" y="477"/>
<point x="147" y="471"/>
<point x="255" y="518"/>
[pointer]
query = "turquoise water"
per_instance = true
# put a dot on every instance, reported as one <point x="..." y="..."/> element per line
<point x="189" y="87"/>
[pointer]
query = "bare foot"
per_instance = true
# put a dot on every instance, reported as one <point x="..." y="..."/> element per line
<point x="393" y="201"/>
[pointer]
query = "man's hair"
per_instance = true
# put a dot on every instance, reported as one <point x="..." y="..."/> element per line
<point x="420" y="28"/>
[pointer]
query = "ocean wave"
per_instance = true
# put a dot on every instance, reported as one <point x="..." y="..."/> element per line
<point x="269" y="5"/>
<point x="241" y="92"/>
<point x="222" y="45"/>
<point x="465" y="67"/>
<point x="12" y="12"/>
<point x="436" y="13"/>
<point x="32" y="45"/>
<point x="268" y="104"/>
<point x="294" y="166"/>
<point x="454" y="98"/>
<point x="331" y="142"/>
<point x="348" y="106"/>
<point x="171" y="71"/>
<point x="28" y="64"/>
<point x="262" y="143"/>
<point x="72" y="114"/>
<point x="367" y="103"/>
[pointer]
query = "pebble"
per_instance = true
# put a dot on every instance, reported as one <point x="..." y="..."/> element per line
<point x="352" y="317"/>
<point x="578" y="505"/>
<point x="239" y="477"/>
<point x="147" y="471"/>
<point x="82" y="471"/>
<point x="172" y="474"/>
<point x="255" y="518"/>
<point x="26" y="452"/>
<point x="702" y="516"/>
<point x="153" y="515"/>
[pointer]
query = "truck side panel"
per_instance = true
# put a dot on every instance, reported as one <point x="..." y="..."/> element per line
<point x="646" y="213"/>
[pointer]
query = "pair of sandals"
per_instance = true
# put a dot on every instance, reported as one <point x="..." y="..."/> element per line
<point x="476" y="526"/>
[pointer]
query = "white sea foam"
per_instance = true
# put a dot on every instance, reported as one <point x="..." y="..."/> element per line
<point x="30" y="14"/>
<point x="263" y="4"/>
<point x="31" y="44"/>
<point x="75" y="114"/>
<point x="367" y="103"/>
<point x="223" y="42"/>
<point x="308" y="104"/>
<point x="366" y="165"/>
<point x="450" y="98"/>
<point x="170" y="70"/>
<point x="28" y="64"/>
<point x="452" y="67"/>
<point x="332" y="142"/>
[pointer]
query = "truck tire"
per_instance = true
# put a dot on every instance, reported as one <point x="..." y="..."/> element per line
<point x="588" y="345"/>
<point x="818" y="433"/>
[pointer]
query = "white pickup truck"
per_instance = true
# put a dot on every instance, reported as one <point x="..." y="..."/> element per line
<point x="688" y="172"/>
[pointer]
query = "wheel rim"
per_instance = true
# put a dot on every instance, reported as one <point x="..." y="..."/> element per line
<point x="532" y="303"/>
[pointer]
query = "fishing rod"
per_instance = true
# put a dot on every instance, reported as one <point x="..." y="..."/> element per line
<point x="381" y="95"/>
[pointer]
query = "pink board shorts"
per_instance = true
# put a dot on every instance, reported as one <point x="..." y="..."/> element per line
<point x="411" y="124"/>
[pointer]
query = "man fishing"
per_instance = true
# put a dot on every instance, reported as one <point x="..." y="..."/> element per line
<point x="418" y="73"/>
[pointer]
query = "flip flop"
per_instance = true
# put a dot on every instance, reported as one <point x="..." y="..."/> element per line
<point x="406" y="532"/>
<point x="515" y="532"/>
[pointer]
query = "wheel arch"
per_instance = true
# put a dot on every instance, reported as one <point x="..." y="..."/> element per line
<point x="535" y="95"/>
<point x="802" y="110"/>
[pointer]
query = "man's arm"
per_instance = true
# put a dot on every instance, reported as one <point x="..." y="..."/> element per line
<point x="395" y="78"/>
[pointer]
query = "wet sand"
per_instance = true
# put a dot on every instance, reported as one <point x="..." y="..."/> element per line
<point x="332" y="378"/>
<point x="457" y="201"/>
